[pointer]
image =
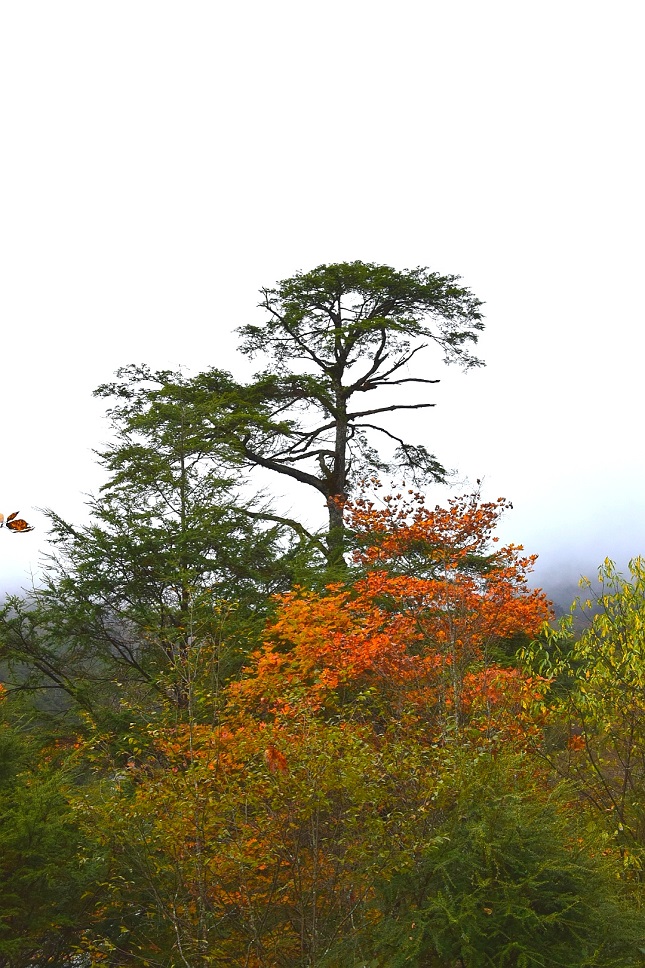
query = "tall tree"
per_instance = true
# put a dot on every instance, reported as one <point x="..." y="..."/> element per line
<point x="330" y="336"/>
<point x="166" y="553"/>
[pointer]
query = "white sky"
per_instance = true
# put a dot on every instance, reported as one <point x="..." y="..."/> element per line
<point x="160" y="162"/>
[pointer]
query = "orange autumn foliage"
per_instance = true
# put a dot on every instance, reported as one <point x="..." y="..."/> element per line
<point x="413" y="625"/>
<point x="275" y="760"/>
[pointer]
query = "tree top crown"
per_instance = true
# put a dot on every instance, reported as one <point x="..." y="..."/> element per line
<point x="335" y="313"/>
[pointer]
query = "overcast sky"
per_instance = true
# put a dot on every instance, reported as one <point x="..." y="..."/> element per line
<point x="160" y="162"/>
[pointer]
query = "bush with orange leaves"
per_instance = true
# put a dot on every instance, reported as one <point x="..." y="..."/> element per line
<point x="410" y="635"/>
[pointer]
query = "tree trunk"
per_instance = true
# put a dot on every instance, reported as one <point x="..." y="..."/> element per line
<point x="337" y="483"/>
<point x="336" y="534"/>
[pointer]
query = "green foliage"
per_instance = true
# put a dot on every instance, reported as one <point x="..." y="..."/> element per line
<point x="350" y="304"/>
<point x="48" y="880"/>
<point x="171" y="548"/>
<point x="507" y="881"/>
<point x="597" y="702"/>
<point x="174" y="492"/>
<point x="330" y="335"/>
<point x="230" y="859"/>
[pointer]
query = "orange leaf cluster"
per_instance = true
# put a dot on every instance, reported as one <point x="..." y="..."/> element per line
<point x="413" y="626"/>
<point x="275" y="760"/>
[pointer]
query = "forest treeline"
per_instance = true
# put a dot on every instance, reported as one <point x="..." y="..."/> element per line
<point x="229" y="739"/>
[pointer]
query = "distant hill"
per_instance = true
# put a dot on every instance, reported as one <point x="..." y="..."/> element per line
<point x="562" y="591"/>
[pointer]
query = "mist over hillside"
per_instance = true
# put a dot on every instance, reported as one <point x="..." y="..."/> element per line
<point x="562" y="591"/>
<point x="561" y="581"/>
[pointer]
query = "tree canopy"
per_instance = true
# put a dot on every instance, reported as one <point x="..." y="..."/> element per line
<point x="329" y="337"/>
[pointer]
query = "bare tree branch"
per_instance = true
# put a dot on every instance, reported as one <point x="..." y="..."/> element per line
<point x="395" y="406"/>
